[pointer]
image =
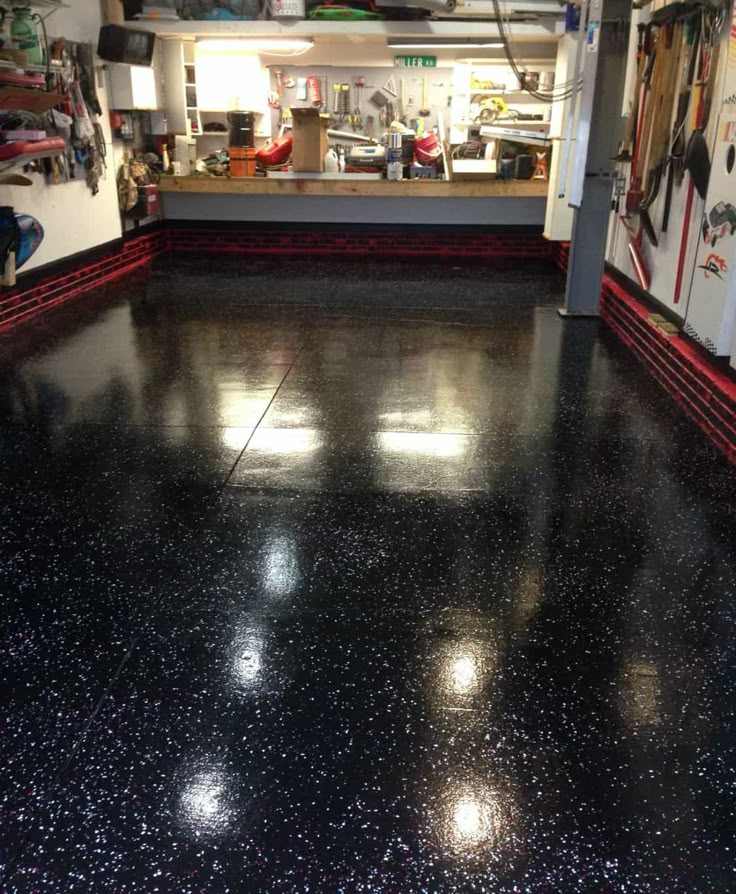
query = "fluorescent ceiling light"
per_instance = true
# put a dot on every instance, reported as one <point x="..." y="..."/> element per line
<point x="445" y="45"/>
<point x="257" y="44"/>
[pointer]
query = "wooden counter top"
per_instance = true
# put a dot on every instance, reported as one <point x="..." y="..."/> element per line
<point x="436" y="189"/>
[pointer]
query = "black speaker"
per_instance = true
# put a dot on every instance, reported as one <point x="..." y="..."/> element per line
<point x="523" y="167"/>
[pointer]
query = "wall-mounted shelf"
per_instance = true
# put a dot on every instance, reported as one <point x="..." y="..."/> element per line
<point x="49" y="6"/>
<point x="525" y="125"/>
<point x="516" y="94"/>
<point x="27" y="158"/>
<point x="546" y="27"/>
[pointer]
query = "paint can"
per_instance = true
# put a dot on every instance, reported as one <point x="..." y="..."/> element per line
<point x="242" y="161"/>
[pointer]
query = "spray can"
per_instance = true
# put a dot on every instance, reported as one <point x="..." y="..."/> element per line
<point x="394" y="166"/>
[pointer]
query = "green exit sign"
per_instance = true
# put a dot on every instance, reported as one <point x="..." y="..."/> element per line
<point x="415" y="61"/>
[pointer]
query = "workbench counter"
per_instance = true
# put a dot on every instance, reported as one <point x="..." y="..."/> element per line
<point x="437" y="189"/>
<point x="498" y="203"/>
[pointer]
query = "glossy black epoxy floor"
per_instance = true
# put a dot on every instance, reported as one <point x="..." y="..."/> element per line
<point x="342" y="600"/>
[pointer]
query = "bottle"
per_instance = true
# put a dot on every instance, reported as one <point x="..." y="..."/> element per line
<point x="5" y="36"/>
<point x="25" y="37"/>
<point x="341" y="161"/>
<point x="332" y="165"/>
<point x="165" y="161"/>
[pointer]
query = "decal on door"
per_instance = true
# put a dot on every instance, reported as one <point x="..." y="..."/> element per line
<point x="719" y="222"/>
<point x="713" y="266"/>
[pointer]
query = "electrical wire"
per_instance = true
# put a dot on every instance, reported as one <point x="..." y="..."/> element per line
<point x="560" y="93"/>
<point x="561" y="90"/>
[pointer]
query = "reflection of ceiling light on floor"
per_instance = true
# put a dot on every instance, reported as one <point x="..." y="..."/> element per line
<point x="463" y="673"/>
<point x="246" y="656"/>
<point x="286" y="440"/>
<point x="247" y="666"/>
<point x="203" y="802"/>
<point x="474" y="821"/>
<point x="241" y="409"/>
<point x="408" y="417"/>
<point x="422" y="443"/>
<point x="462" y="670"/>
<point x="235" y="438"/>
<point x="470" y="819"/>
<point x="281" y="571"/>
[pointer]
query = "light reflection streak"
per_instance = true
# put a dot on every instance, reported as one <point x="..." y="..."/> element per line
<point x="281" y="569"/>
<point x="285" y="441"/>
<point x="247" y="658"/>
<point x="422" y="443"/>
<point x="475" y="820"/>
<point x="461" y="671"/>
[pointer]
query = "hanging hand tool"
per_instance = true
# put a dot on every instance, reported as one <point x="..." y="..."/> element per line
<point x="424" y="111"/>
<point x="672" y="37"/>
<point x="675" y="161"/>
<point x="634" y="194"/>
<point x="710" y="31"/>
<point x="697" y="154"/>
<point x="274" y="97"/>
<point x="638" y="261"/>
<point x="344" y="100"/>
<point x="624" y="154"/>
<point x="390" y="87"/>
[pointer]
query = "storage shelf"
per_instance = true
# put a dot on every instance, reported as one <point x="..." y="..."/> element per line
<point x="515" y="94"/>
<point x="7" y="164"/>
<point x="518" y="125"/>
<point x="546" y="28"/>
<point x="45" y="4"/>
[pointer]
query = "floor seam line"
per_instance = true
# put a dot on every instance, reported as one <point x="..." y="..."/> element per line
<point x="257" y="425"/>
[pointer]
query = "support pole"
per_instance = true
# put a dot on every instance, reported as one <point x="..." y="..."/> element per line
<point x="596" y="142"/>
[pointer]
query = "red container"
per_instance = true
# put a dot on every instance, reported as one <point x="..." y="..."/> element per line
<point x="427" y="149"/>
<point x="276" y="153"/>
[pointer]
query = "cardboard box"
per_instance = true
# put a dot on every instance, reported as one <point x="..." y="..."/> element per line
<point x="309" y="135"/>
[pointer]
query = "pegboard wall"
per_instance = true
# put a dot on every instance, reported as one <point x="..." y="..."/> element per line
<point x="439" y="91"/>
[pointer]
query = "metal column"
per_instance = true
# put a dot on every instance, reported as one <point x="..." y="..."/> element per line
<point x="596" y="142"/>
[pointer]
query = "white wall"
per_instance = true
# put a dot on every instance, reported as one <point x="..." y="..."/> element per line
<point x="73" y="219"/>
